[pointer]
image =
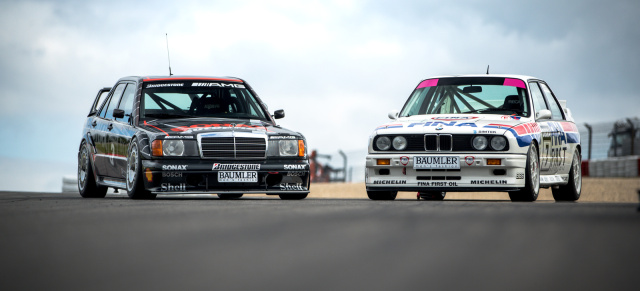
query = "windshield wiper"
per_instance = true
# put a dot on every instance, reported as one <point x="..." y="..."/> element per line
<point x="493" y="110"/>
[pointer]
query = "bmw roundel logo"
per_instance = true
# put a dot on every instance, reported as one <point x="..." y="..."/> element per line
<point x="439" y="127"/>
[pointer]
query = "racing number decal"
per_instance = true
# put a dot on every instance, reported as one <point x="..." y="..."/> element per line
<point x="554" y="148"/>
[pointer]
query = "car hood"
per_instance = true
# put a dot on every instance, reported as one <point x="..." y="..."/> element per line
<point x="194" y="126"/>
<point x="452" y="123"/>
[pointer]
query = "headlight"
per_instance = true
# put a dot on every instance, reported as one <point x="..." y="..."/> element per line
<point x="383" y="143"/>
<point x="479" y="143"/>
<point x="399" y="143"/>
<point x="288" y="148"/>
<point x="173" y="148"/>
<point x="498" y="143"/>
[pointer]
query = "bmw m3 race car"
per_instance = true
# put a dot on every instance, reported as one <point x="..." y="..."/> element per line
<point x="477" y="133"/>
<point x="183" y="135"/>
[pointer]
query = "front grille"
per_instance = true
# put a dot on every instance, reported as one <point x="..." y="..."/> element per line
<point x="438" y="142"/>
<point x="233" y="147"/>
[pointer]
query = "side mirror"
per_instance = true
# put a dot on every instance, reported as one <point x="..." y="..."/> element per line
<point x="543" y="114"/>
<point x="278" y="114"/>
<point x="393" y="114"/>
<point x="118" y="113"/>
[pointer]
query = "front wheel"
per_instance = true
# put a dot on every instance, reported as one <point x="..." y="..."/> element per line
<point x="292" y="196"/>
<point x="382" y="195"/>
<point x="571" y="191"/>
<point x="432" y="195"/>
<point x="532" y="178"/>
<point x="135" y="185"/>
<point x="87" y="185"/>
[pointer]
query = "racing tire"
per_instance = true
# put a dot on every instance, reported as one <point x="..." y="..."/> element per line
<point x="87" y="185"/>
<point x="382" y="195"/>
<point x="135" y="185"/>
<point x="293" y="196"/>
<point x="532" y="178"/>
<point x="571" y="191"/>
<point x="432" y="195"/>
<point x="229" y="196"/>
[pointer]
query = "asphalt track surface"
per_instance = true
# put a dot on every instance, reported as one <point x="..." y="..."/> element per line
<point x="55" y="241"/>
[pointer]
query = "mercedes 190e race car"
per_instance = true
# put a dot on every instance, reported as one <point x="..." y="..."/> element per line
<point x="183" y="135"/>
<point x="477" y="133"/>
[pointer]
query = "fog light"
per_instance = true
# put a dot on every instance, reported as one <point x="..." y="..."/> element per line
<point x="494" y="162"/>
<point x="383" y="162"/>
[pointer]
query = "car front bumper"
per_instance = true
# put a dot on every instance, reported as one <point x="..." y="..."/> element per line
<point x="202" y="176"/>
<point x="474" y="174"/>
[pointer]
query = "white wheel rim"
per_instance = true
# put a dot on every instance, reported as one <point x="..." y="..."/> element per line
<point x="83" y="166"/>
<point x="535" y="170"/>
<point x="577" y="172"/>
<point x="132" y="166"/>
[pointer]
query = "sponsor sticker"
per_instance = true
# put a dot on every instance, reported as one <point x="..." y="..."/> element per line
<point x="174" y="167"/>
<point x="469" y="160"/>
<point x="236" y="167"/>
<point x="237" y="176"/>
<point x="295" y="167"/>
<point x="283" y="137"/>
<point x="168" y="187"/>
<point x="404" y="160"/>
<point x="296" y="174"/>
<point x="436" y="162"/>
<point x="213" y="84"/>
<point x="488" y="182"/>
<point x="165" y="85"/>
<point x="438" y="184"/>
<point x="292" y="187"/>
<point x="171" y="174"/>
<point x="390" y="182"/>
<point x="178" y="137"/>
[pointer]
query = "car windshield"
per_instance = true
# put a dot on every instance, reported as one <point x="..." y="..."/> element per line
<point x="199" y="99"/>
<point x="481" y="95"/>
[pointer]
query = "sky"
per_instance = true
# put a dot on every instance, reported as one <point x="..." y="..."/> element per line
<point x="336" y="67"/>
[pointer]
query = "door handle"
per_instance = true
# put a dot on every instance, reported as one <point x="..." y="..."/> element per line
<point x="110" y="126"/>
<point x="94" y="123"/>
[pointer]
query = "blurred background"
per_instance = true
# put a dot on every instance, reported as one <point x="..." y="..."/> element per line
<point x="335" y="67"/>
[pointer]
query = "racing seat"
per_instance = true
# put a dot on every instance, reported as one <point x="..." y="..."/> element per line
<point x="513" y="102"/>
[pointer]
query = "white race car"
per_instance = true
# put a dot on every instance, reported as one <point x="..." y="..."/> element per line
<point x="477" y="133"/>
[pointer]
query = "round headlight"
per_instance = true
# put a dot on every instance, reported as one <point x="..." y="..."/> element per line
<point x="479" y="143"/>
<point x="498" y="143"/>
<point x="383" y="143"/>
<point x="288" y="148"/>
<point x="399" y="143"/>
<point x="173" y="147"/>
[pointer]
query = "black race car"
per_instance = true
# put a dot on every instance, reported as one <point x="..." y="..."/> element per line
<point x="183" y="135"/>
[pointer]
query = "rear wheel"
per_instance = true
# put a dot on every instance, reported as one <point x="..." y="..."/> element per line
<point x="86" y="181"/>
<point x="292" y="196"/>
<point x="382" y="195"/>
<point x="571" y="191"/>
<point x="229" y="196"/>
<point x="532" y="178"/>
<point x="432" y="195"/>
<point x="135" y="185"/>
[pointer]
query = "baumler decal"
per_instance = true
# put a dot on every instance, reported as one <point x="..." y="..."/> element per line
<point x="236" y="167"/>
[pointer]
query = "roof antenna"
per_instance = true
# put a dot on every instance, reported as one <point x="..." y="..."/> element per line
<point x="168" y="58"/>
<point x="487" y="69"/>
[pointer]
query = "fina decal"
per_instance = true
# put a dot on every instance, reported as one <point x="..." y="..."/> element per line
<point x="236" y="167"/>
<point x="438" y="184"/>
<point x="469" y="160"/>
<point x="404" y="160"/>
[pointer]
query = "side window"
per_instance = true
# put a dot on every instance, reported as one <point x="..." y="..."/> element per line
<point x="536" y="96"/>
<point x="107" y="110"/>
<point x="99" y="101"/>
<point x="126" y="103"/>
<point x="556" y="112"/>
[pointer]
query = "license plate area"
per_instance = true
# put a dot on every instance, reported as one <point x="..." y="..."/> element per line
<point x="436" y="162"/>
<point x="237" y="177"/>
